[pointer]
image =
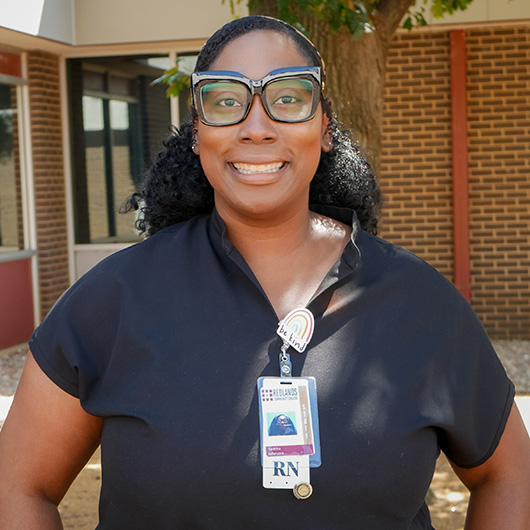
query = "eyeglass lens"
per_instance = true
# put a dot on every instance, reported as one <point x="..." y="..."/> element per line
<point x="225" y="101"/>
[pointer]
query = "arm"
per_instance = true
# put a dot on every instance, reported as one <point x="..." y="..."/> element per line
<point x="500" y="488"/>
<point x="46" y="440"/>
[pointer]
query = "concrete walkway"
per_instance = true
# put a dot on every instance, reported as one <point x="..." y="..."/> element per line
<point x="523" y="402"/>
<point x="5" y="403"/>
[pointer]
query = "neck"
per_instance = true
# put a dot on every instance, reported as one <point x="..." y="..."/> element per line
<point x="289" y="252"/>
<point x="270" y="236"/>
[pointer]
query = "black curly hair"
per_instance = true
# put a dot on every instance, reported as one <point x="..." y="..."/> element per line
<point x="176" y="188"/>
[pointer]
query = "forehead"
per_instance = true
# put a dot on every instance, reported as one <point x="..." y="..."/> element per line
<point x="257" y="53"/>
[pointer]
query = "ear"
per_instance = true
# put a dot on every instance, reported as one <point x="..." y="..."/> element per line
<point x="195" y="145"/>
<point x="325" y="142"/>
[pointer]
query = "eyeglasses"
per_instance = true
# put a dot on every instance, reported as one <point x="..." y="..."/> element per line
<point x="289" y="95"/>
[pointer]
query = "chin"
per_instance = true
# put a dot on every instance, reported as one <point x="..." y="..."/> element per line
<point x="259" y="209"/>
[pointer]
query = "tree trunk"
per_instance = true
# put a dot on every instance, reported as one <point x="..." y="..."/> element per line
<point x="355" y="70"/>
<point x="355" y="79"/>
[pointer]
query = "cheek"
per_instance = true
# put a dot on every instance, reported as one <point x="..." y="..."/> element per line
<point x="310" y="147"/>
<point x="212" y="169"/>
<point x="210" y="151"/>
<point x="310" y="138"/>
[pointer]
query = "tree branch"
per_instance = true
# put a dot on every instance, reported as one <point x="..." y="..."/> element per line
<point x="390" y="13"/>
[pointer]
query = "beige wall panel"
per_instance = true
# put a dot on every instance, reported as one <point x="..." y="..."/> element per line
<point x="46" y="18"/>
<point x="484" y="11"/>
<point x="504" y="10"/>
<point x="120" y="21"/>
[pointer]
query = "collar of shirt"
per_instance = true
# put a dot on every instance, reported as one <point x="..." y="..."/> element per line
<point x="339" y="273"/>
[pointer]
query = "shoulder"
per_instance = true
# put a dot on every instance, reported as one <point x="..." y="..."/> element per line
<point x="404" y="283"/>
<point x="134" y="267"/>
<point x="379" y="257"/>
<point x="421" y="309"/>
<point x="159" y="249"/>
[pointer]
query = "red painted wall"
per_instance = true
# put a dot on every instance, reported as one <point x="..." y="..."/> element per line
<point x="16" y="303"/>
<point x="10" y="64"/>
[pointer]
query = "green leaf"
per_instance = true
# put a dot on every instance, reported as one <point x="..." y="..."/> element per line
<point x="355" y="15"/>
<point x="442" y="7"/>
<point x="175" y="79"/>
<point x="415" y="18"/>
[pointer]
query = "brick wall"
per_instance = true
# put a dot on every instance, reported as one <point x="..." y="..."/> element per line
<point x="499" y="162"/>
<point x="45" y="107"/>
<point x="416" y="164"/>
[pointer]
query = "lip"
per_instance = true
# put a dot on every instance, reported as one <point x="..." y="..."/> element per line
<point x="258" y="173"/>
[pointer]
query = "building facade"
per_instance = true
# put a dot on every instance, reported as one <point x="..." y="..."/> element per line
<point x="81" y="122"/>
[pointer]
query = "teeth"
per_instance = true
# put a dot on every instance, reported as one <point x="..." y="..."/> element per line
<point x="251" y="169"/>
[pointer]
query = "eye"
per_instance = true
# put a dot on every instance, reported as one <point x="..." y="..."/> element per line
<point x="223" y="95"/>
<point x="289" y="93"/>
<point x="227" y="101"/>
<point x="286" y="100"/>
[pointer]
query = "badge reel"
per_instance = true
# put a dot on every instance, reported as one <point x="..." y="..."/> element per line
<point x="290" y="442"/>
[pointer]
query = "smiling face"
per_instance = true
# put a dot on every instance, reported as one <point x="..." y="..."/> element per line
<point x="261" y="167"/>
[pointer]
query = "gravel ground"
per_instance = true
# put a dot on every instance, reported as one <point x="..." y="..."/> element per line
<point x="515" y="355"/>
<point x="447" y="497"/>
<point x="11" y="364"/>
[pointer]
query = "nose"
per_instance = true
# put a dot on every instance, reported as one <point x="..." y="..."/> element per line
<point x="257" y="127"/>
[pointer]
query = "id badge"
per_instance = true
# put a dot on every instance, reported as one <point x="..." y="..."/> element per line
<point x="289" y="433"/>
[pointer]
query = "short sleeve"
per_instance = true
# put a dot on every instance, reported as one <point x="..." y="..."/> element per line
<point x="53" y="361"/>
<point x="475" y="394"/>
<point x="460" y="388"/>
<point x="73" y="341"/>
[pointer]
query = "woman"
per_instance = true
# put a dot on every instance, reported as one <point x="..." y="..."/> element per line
<point x="155" y="353"/>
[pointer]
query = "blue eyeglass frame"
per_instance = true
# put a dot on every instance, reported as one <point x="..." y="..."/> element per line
<point x="311" y="73"/>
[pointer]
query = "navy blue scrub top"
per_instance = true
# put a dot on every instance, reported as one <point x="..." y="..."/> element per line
<point x="166" y="340"/>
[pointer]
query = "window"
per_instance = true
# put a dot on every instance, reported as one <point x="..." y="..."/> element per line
<point x="118" y="123"/>
<point x="11" y="231"/>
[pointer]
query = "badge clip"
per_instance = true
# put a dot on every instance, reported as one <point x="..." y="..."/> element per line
<point x="286" y="366"/>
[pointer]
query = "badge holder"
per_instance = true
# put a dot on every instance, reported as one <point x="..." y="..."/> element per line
<point x="290" y="441"/>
